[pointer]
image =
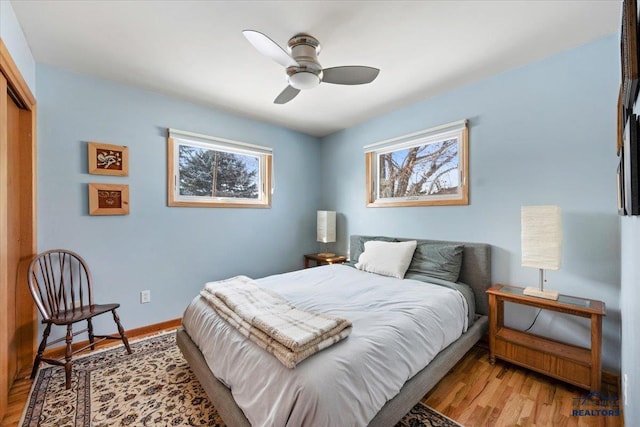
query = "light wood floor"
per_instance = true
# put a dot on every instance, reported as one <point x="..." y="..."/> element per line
<point x="474" y="393"/>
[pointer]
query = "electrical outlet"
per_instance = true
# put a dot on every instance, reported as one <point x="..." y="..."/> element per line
<point x="145" y="296"/>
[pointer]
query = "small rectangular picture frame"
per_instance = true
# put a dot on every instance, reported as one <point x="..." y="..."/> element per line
<point x="621" y="191"/>
<point x="622" y="119"/>
<point x="631" y="167"/>
<point x="108" y="159"/>
<point x="629" y="53"/>
<point x="108" y="199"/>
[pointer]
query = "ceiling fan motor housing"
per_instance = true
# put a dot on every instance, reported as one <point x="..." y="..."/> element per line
<point x="303" y="69"/>
<point x="308" y="74"/>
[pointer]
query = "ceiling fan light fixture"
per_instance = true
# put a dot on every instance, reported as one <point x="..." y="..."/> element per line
<point x="304" y="80"/>
<point x="303" y="68"/>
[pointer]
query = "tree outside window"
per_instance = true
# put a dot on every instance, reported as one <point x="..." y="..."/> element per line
<point x="217" y="173"/>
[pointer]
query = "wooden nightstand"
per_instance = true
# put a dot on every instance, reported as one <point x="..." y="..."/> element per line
<point x="320" y="259"/>
<point x="576" y="365"/>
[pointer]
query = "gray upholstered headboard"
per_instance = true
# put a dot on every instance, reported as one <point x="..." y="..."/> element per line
<point x="476" y="267"/>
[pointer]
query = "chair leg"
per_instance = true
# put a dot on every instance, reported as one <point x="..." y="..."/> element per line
<point x="121" y="331"/>
<point x="67" y="357"/>
<point x="90" y="331"/>
<point x="43" y="345"/>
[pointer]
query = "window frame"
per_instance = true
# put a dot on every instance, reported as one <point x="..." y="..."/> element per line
<point x="459" y="130"/>
<point x="178" y="138"/>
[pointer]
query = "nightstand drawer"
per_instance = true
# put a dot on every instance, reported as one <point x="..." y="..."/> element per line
<point x="572" y="365"/>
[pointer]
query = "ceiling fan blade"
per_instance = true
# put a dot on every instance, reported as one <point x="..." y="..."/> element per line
<point x="349" y="75"/>
<point x="269" y="48"/>
<point x="286" y="95"/>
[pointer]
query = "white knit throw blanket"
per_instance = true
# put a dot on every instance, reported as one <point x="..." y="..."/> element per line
<point x="266" y="318"/>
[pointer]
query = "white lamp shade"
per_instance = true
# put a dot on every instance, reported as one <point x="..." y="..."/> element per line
<point x="326" y="228"/>
<point x="541" y="237"/>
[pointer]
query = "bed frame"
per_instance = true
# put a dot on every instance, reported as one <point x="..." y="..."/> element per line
<point x="476" y="272"/>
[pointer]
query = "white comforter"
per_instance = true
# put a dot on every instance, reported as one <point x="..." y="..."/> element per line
<point x="398" y="328"/>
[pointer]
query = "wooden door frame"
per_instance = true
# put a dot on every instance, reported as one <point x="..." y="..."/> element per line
<point x="26" y="325"/>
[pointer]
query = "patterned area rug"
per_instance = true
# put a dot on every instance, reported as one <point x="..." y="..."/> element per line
<point x="154" y="386"/>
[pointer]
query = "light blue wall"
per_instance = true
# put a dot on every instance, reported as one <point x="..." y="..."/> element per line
<point x="171" y="251"/>
<point x="540" y="134"/>
<point x="13" y="37"/>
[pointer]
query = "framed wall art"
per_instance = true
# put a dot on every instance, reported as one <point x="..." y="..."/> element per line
<point x="620" y="181"/>
<point x="108" y="199"/>
<point x="622" y="119"/>
<point x="630" y="167"/>
<point x="108" y="159"/>
<point x="628" y="132"/>
<point x="629" y="53"/>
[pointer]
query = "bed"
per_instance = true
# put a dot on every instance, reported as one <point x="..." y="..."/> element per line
<point x="379" y="399"/>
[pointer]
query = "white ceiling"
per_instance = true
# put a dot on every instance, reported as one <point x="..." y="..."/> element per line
<point x="194" y="50"/>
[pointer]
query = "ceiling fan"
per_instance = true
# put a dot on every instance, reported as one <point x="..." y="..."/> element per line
<point x="303" y="69"/>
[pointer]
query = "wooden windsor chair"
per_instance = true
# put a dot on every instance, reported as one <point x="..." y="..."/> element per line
<point x="61" y="286"/>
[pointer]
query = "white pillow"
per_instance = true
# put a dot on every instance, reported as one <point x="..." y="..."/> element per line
<point x="386" y="258"/>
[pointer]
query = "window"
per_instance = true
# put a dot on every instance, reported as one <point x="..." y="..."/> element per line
<point x="421" y="169"/>
<point x="215" y="172"/>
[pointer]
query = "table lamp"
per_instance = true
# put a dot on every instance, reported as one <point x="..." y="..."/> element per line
<point x="326" y="230"/>
<point x="541" y="241"/>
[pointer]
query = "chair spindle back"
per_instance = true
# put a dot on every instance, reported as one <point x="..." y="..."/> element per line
<point x="60" y="283"/>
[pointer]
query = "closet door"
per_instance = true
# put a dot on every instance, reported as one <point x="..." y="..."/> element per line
<point x="9" y="234"/>
<point x="5" y="292"/>
<point x="18" y="322"/>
